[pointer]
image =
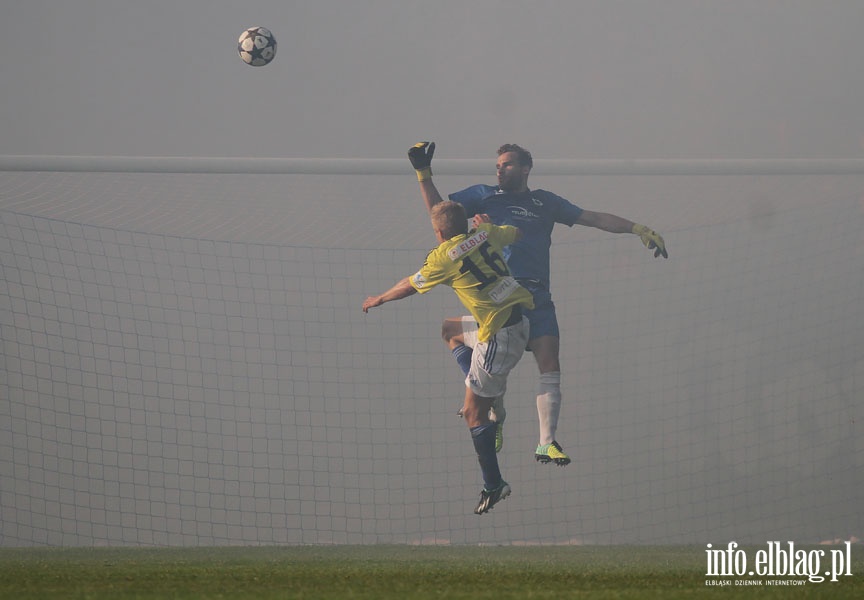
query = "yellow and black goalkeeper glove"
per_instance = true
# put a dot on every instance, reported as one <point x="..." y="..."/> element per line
<point x="420" y="156"/>
<point x="651" y="239"/>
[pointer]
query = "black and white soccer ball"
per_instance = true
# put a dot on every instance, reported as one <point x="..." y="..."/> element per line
<point x="257" y="46"/>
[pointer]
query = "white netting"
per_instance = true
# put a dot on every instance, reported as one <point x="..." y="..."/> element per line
<point x="185" y="362"/>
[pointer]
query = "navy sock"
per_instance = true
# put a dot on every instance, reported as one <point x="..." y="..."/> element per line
<point x="484" y="444"/>
<point x="462" y="354"/>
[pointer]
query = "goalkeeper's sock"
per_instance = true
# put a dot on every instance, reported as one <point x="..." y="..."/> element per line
<point x="483" y="437"/>
<point x="462" y="354"/>
<point x="549" y="405"/>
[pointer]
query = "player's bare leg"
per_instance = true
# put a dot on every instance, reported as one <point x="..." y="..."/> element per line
<point x="452" y="333"/>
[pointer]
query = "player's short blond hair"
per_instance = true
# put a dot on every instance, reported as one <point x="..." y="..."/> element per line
<point x="450" y="218"/>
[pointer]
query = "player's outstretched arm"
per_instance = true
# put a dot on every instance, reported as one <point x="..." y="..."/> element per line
<point x="403" y="289"/>
<point x="420" y="155"/>
<point x="615" y="224"/>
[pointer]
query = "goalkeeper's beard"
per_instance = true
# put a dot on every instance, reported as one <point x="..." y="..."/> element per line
<point x="509" y="183"/>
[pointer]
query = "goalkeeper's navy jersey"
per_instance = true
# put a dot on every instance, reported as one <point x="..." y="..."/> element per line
<point x="535" y="212"/>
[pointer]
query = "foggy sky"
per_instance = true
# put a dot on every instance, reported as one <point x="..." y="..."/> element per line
<point x="568" y="79"/>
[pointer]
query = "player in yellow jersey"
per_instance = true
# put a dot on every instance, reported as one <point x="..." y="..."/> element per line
<point x="471" y="262"/>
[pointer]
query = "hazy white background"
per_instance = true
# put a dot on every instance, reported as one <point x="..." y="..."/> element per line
<point x="566" y="78"/>
<point x="710" y="397"/>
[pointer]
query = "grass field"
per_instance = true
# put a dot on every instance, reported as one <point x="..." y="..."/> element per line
<point x="383" y="572"/>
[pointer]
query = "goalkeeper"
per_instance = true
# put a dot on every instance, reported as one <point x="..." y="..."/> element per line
<point x="471" y="263"/>
<point x="535" y="212"/>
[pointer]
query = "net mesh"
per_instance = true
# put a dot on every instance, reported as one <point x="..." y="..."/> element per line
<point x="185" y="362"/>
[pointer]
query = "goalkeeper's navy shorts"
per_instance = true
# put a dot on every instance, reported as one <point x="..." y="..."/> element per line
<point x="542" y="317"/>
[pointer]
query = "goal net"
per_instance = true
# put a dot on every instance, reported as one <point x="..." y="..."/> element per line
<point x="184" y="361"/>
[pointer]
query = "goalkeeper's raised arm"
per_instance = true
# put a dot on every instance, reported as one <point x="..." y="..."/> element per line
<point x="420" y="155"/>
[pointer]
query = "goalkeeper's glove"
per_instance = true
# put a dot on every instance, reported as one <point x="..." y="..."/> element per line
<point x="651" y="239"/>
<point x="420" y="156"/>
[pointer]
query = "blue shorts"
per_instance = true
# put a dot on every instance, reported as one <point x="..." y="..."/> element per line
<point x="542" y="317"/>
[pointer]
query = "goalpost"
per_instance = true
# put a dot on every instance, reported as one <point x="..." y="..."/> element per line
<point x="184" y="361"/>
<point x="387" y="166"/>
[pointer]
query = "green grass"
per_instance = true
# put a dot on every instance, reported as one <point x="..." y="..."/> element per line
<point x="382" y="572"/>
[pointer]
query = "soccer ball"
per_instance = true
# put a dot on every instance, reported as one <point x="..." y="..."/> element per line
<point x="257" y="46"/>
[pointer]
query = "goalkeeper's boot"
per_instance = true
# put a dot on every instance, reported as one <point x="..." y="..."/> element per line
<point x="551" y="453"/>
<point x="489" y="499"/>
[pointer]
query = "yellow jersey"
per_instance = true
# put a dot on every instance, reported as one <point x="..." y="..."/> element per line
<point x="473" y="265"/>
